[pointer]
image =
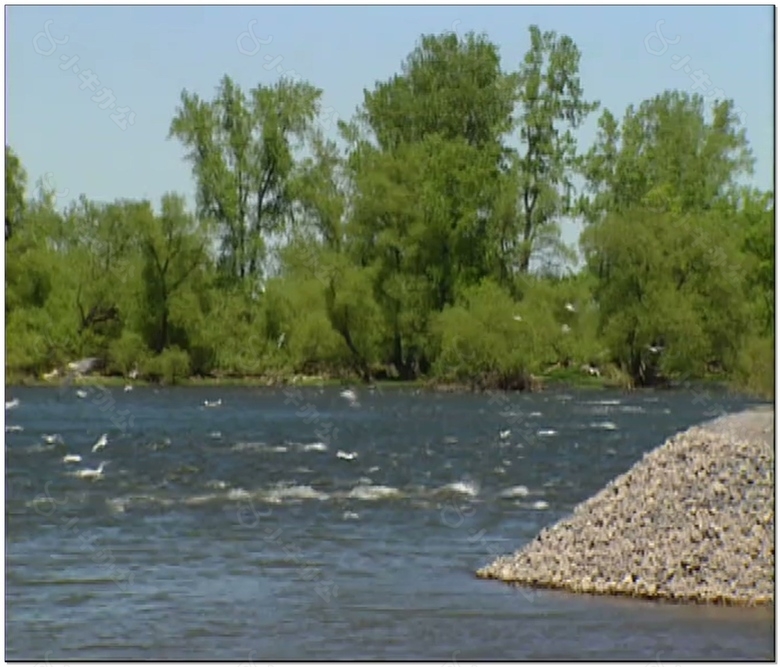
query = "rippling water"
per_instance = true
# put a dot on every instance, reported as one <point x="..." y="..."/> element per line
<point x="241" y="532"/>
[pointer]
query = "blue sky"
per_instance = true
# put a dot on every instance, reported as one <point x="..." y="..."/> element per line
<point x="147" y="55"/>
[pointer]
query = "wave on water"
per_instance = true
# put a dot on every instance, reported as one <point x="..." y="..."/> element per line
<point x="462" y="488"/>
<point x="605" y="426"/>
<point x="249" y="447"/>
<point x="38" y="448"/>
<point x="370" y="492"/>
<point x="293" y="492"/>
<point x="289" y="492"/>
<point x="278" y="449"/>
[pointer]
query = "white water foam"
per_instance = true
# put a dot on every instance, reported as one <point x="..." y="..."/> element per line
<point x="470" y="489"/>
<point x="515" y="492"/>
<point x="605" y="426"/>
<point x="369" y="492"/>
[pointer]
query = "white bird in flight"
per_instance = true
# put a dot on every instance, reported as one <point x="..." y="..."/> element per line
<point x="350" y="396"/>
<point x="88" y="473"/>
<point x="10" y="405"/>
<point x="101" y="443"/>
<point x="212" y="404"/>
<point x="82" y="393"/>
<point x="71" y="458"/>
<point x="52" y="439"/>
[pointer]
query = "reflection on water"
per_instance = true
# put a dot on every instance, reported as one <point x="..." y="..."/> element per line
<point x="326" y="528"/>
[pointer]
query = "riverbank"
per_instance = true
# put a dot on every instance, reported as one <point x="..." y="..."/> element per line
<point x="693" y="521"/>
<point x="558" y="379"/>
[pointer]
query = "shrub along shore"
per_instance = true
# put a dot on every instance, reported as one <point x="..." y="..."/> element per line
<point x="693" y="521"/>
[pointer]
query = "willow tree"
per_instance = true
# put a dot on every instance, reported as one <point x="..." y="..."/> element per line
<point x="670" y="154"/>
<point x="551" y="106"/>
<point x="426" y="155"/>
<point x="240" y="147"/>
<point x="664" y="240"/>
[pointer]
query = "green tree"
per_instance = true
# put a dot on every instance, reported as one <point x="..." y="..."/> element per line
<point x="551" y="106"/>
<point x="15" y="184"/>
<point x="174" y="247"/>
<point x="666" y="155"/>
<point x="240" y="149"/>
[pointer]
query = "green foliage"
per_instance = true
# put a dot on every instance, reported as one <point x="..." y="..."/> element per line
<point x="15" y="183"/>
<point x="425" y="246"/>
<point x="127" y="352"/>
<point x="756" y="372"/>
<point x="171" y="366"/>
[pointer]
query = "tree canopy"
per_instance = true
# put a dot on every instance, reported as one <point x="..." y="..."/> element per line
<point x="423" y="241"/>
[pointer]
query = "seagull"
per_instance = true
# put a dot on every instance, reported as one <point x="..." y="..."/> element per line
<point x="71" y="458"/>
<point x="52" y="439"/>
<point x="82" y="393"/>
<point x="128" y="387"/>
<point x="83" y="366"/>
<point x="347" y="456"/>
<point x="655" y="349"/>
<point x="517" y="318"/>
<point x="570" y="307"/>
<point x="505" y="434"/>
<point x="10" y="405"/>
<point x="350" y="396"/>
<point x="87" y="473"/>
<point x="14" y="429"/>
<point x="52" y="375"/>
<point x="101" y="443"/>
<point x="565" y="328"/>
<point x="133" y="374"/>
<point x="212" y="404"/>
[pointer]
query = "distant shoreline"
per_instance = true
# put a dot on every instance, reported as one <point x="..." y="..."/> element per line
<point x="545" y="383"/>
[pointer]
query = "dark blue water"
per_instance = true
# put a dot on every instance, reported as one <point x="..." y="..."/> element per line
<point x="273" y="528"/>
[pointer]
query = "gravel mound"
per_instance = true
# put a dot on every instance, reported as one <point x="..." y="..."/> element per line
<point x="693" y="521"/>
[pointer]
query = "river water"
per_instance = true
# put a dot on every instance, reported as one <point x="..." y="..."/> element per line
<point x="307" y="527"/>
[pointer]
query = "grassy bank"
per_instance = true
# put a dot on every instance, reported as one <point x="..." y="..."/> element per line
<point x="551" y="380"/>
<point x="556" y="380"/>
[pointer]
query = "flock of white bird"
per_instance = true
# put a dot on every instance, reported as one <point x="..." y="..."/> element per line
<point x="97" y="473"/>
<point x="56" y="439"/>
<point x="86" y="473"/>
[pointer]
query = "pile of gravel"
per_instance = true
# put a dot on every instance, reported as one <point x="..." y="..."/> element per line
<point x="694" y="521"/>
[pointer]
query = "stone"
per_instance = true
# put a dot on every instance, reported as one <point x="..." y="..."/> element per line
<point x="693" y="520"/>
